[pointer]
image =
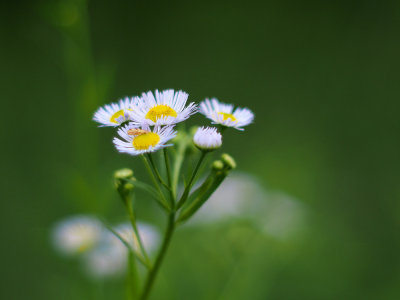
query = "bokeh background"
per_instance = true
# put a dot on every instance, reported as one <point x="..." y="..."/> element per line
<point x="323" y="80"/>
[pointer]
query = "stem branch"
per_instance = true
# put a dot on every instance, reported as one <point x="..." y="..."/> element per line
<point x="159" y="178"/>
<point x="171" y="188"/>
<point x="189" y="185"/>
<point x="154" y="270"/>
<point x="132" y="218"/>
<point x="162" y="201"/>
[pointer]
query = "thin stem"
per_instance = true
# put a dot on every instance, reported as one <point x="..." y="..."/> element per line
<point x="147" y="188"/>
<point x="189" y="185"/>
<point x="203" y="154"/>
<point x="153" y="272"/>
<point x="179" y="157"/>
<point x="168" y="167"/>
<point x="163" y="201"/>
<point x="133" y="276"/>
<point x="128" y="246"/>
<point x="156" y="171"/>
<point x="132" y="218"/>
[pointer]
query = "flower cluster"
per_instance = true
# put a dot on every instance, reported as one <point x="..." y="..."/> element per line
<point x="146" y="123"/>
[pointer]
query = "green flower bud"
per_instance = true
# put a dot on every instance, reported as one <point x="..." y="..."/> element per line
<point x="123" y="174"/>
<point x="128" y="186"/>
<point x="228" y="161"/>
<point x="217" y="165"/>
<point x="123" y="182"/>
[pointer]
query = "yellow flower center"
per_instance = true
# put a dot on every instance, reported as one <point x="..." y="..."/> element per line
<point x="226" y="116"/>
<point x="144" y="141"/>
<point x="84" y="247"/>
<point x="115" y="116"/>
<point x="161" y="111"/>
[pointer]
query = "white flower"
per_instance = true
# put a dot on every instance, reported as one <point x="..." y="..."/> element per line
<point x="110" y="259"/>
<point x="207" y="138"/>
<point x="107" y="260"/>
<point x="166" y="108"/>
<point x="241" y="196"/>
<point x="230" y="200"/>
<point x="281" y="216"/>
<point x="76" y="235"/>
<point x="115" y="113"/>
<point x="138" y="140"/>
<point x="148" y="234"/>
<point x="221" y="113"/>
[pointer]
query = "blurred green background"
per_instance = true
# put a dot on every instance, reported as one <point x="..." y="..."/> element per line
<point x="323" y="80"/>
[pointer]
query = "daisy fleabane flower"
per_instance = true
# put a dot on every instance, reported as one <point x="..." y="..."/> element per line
<point x="207" y="138"/>
<point x="222" y="113"/>
<point x="109" y="259"/>
<point x="77" y="234"/>
<point x="138" y="140"/>
<point x="165" y="108"/>
<point x="114" y="114"/>
<point x="148" y="234"/>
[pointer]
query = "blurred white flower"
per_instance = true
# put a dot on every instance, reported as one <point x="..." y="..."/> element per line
<point x="110" y="258"/>
<point x="107" y="260"/>
<point x="241" y="196"/>
<point x="280" y="215"/>
<point x="222" y="113"/>
<point x="149" y="235"/>
<point x="207" y="138"/>
<point x="76" y="234"/>
<point x="229" y="200"/>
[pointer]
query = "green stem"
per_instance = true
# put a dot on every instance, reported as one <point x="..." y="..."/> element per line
<point x="154" y="270"/>
<point x="203" y="194"/>
<point x="188" y="187"/>
<point x="133" y="276"/>
<point x="148" y="189"/>
<point x="132" y="218"/>
<point x="159" y="178"/>
<point x="168" y="167"/>
<point x="127" y="245"/>
<point x="162" y="201"/>
<point x="180" y="155"/>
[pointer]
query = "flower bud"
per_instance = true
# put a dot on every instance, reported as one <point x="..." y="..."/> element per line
<point x="207" y="138"/>
<point x="217" y="165"/>
<point x="128" y="186"/>
<point x="123" y="182"/>
<point x="228" y="161"/>
<point x="123" y="174"/>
